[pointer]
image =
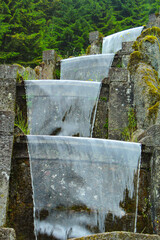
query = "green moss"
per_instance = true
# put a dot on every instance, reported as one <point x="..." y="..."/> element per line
<point x="149" y="31"/>
<point x="153" y="111"/>
<point x="103" y="99"/>
<point x="88" y="50"/>
<point x="135" y="46"/>
<point x="127" y="133"/>
<point x="153" y="88"/>
<point x="149" y="38"/>
<point x="134" y="60"/>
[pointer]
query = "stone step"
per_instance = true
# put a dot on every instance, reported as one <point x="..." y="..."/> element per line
<point x="119" y="235"/>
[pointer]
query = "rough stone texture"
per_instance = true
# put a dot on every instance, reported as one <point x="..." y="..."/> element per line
<point x="120" y="100"/>
<point x="93" y="36"/>
<point x="7" y="102"/>
<point x="8" y="71"/>
<point x="152" y="139"/>
<point x="20" y="213"/>
<point x="95" y="40"/>
<point x="101" y="121"/>
<point x="120" y="92"/>
<point x="142" y="97"/>
<point x="121" y="59"/>
<point x="153" y="21"/>
<point x="151" y="54"/>
<point x="119" y="235"/>
<point x="7" y="234"/>
<point x="155" y="189"/>
<point x="7" y="94"/>
<point x="138" y="134"/>
<point x="6" y="121"/>
<point x="49" y="55"/>
<point x="47" y="69"/>
<point x="25" y="74"/>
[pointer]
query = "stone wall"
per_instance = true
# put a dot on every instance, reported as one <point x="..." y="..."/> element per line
<point x="7" y="103"/>
<point x="116" y="98"/>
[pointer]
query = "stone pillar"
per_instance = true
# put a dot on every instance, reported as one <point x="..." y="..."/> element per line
<point x="47" y="68"/>
<point x="120" y="101"/>
<point x="95" y="40"/>
<point x="152" y="138"/>
<point x="154" y="20"/>
<point x="7" y="103"/>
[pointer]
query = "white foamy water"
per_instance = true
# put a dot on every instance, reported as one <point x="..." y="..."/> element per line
<point x="89" y="68"/>
<point x="78" y="181"/>
<point x="61" y="107"/>
<point x="113" y="43"/>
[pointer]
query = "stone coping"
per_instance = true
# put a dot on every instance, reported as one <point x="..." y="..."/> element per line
<point x="119" y="235"/>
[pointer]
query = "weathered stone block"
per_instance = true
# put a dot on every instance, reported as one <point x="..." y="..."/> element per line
<point x="127" y="48"/>
<point x="93" y="36"/>
<point x="5" y="163"/>
<point x="155" y="189"/>
<point x="119" y="235"/>
<point x="7" y="121"/>
<point x="120" y="100"/>
<point x="7" y="93"/>
<point x="49" y="55"/>
<point x="125" y="61"/>
<point x="4" y="184"/>
<point x="20" y="205"/>
<point x="118" y="75"/>
<point x="7" y="234"/>
<point x="8" y="71"/>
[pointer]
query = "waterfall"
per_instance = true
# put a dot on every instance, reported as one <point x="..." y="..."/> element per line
<point x="61" y="107"/>
<point x="91" y="67"/>
<point x="113" y="43"/>
<point x="77" y="181"/>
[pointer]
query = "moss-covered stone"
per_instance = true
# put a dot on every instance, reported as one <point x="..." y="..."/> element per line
<point x="119" y="235"/>
<point x="135" y="58"/>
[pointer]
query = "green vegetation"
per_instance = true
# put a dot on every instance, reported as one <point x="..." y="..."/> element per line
<point x="103" y="99"/>
<point x="127" y="132"/>
<point x="20" y="122"/>
<point x="151" y="35"/>
<point x="149" y="75"/>
<point x="30" y="26"/>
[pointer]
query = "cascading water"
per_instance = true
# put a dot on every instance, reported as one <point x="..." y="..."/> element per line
<point x="113" y="43"/>
<point x="61" y="107"/>
<point x="91" y="67"/>
<point x="77" y="182"/>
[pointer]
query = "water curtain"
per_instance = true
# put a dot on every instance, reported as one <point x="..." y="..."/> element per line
<point x="113" y="43"/>
<point x="77" y="182"/>
<point x="90" y="68"/>
<point x="64" y="108"/>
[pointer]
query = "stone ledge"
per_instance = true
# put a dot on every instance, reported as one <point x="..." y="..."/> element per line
<point x="118" y="74"/>
<point x="7" y="234"/>
<point x="119" y="235"/>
